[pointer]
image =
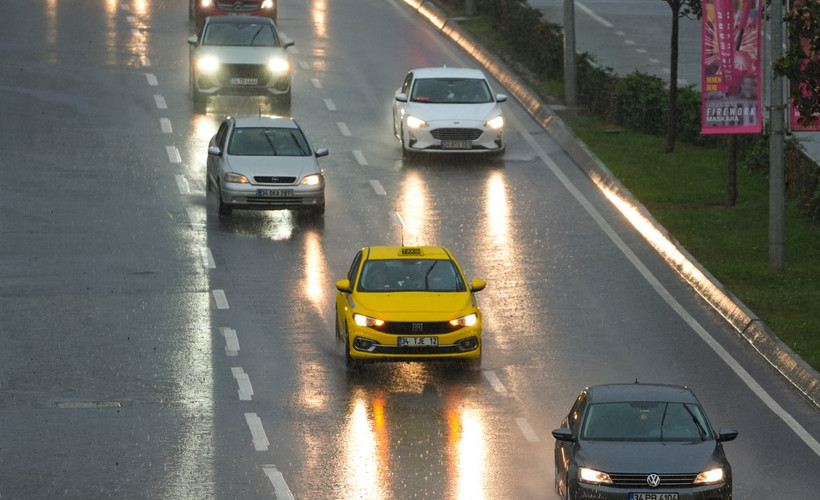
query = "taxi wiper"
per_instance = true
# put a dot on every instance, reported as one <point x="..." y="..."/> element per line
<point x="427" y="275"/>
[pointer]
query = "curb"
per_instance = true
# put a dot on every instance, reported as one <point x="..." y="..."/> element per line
<point x="747" y="325"/>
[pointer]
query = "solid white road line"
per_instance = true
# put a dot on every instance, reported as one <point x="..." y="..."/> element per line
<point x="280" y="487"/>
<point x="231" y="341"/>
<point x="244" y="382"/>
<point x="260" y="439"/>
<point x="220" y="299"/>
<point x="526" y="429"/>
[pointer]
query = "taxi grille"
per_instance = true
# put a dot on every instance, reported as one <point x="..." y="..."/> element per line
<point x="427" y="328"/>
<point x="456" y="134"/>
<point x="639" y="480"/>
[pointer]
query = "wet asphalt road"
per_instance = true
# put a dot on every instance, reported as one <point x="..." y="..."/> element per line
<point x="149" y="349"/>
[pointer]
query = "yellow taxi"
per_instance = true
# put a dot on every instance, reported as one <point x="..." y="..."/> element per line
<point x="408" y="303"/>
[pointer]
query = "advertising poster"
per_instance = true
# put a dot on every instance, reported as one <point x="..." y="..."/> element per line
<point x="731" y="75"/>
<point x="794" y="114"/>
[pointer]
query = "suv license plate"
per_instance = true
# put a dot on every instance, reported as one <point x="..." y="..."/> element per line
<point x="244" y="81"/>
<point x="653" y="496"/>
<point x="417" y="341"/>
<point x="274" y="193"/>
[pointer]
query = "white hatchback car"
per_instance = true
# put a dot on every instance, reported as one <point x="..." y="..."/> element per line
<point x="265" y="163"/>
<point x="448" y="110"/>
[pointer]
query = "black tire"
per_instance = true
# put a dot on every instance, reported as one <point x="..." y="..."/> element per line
<point x="223" y="209"/>
<point x="405" y="153"/>
<point x="351" y="363"/>
<point x="209" y="186"/>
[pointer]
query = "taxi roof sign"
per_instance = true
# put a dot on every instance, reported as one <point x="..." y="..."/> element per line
<point x="410" y="251"/>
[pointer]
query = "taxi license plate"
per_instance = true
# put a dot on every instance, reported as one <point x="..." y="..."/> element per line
<point x="417" y="341"/>
<point x="653" y="496"/>
<point x="456" y="145"/>
<point x="244" y="81"/>
<point x="274" y="193"/>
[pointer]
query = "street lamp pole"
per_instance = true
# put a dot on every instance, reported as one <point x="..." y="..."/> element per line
<point x="777" y="114"/>
<point x="570" y="80"/>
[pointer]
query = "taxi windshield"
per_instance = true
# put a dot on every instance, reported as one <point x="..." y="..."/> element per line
<point x="411" y="275"/>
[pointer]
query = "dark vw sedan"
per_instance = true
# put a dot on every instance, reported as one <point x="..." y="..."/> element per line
<point x="640" y="442"/>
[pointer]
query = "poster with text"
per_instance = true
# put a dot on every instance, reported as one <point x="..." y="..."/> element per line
<point x="731" y="82"/>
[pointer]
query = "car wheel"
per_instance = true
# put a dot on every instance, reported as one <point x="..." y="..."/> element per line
<point x="405" y="153"/>
<point x="223" y="209"/>
<point x="209" y="186"/>
<point x="351" y="363"/>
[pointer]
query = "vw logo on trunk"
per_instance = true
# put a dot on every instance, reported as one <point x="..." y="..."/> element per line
<point x="653" y="480"/>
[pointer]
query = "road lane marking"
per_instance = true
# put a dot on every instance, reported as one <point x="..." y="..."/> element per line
<point x="231" y="341"/>
<point x="280" y="487"/>
<point x="173" y="154"/>
<point x="526" y="429"/>
<point x="360" y="157"/>
<point x="208" y="258"/>
<point x="260" y="439"/>
<point x="329" y="105"/>
<point x="244" y="382"/>
<point x="160" y="101"/>
<point x="182" y="184"/>
<point x="145" y="61"/>
<point x="593" y="15"/>
<point x="220" y="299"/>
<point x="165" y="125"/>
<point x="494" y="381"/>
<point x="377" y="187"/>
<point x="304" y="65"/>
<point x="194" y="218"/>
<point x="316" y="83"/>
<point x="727" y="358"/>
<point x="343" y="129"/>
<point x="152" y="79"/>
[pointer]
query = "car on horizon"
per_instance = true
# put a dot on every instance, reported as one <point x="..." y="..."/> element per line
<point x="240" y="56"/>
<point x="640" y="441"/>
<point x="408" y="303"/>
<point x="199" y="10"/>
<point x="264" y="163"/>
<point x="448" y="110"/>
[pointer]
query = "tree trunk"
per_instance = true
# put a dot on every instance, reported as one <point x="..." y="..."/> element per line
<point x="731" y="177"/>
<point x="672" y="124"/>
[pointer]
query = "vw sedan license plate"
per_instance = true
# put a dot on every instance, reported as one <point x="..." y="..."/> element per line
<point x="653" y="496"/>
<point x="274" y="193"/>
<point x="244" y="81"/>
<point x="417" y="341"/>
<point x="456" y="145"/>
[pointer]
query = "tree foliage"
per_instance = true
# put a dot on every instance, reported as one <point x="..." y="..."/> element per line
<point x="801" y="62"/>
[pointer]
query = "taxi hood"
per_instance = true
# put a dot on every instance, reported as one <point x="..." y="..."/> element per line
<point x="407" y="306"/>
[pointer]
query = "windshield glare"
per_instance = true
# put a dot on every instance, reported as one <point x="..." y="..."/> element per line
<point x="410" y="275"/>
<point x="645" y="421"/>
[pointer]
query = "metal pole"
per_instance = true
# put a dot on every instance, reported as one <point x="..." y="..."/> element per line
<point x="469" y="8"/>
<point x="570" y="80"/>
<point x="776" y="169"/>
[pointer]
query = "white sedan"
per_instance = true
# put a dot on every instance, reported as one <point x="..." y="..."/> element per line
<point x="448" y="110"/>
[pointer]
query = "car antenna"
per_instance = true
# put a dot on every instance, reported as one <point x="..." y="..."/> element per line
<point x="636" y="380"/>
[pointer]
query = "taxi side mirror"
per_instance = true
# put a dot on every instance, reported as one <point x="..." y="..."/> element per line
<point x="343" y="286"/>
<point x="477" y="285"/>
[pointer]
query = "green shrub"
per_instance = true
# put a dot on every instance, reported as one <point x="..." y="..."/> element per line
<point x="640" y="103"/>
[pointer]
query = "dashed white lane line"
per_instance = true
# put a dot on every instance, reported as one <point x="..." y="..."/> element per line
<point x="152" y="79"/>
<point x="145" y="61"/>
<point x="329" y="105"/>
<point x="220" y="299"/>
<point x="244" y="382"/>
<point x="526" y="429"/>
<point x="125" y="6"/>
<point x="280" y="487"/>
<point x="260" y="439"/>
<point x="316" y="83"/>
<point x="494" y="381"/>
<point x="208" y="258"/>
<point x="173" y="154"/>
<point x="165" y="125"/>
<point x="182" y="185"/>
<point x="194" y="218"/>
<point x="304" y="65"/>
<point x="131" y="19"/>
<point x="377" y="187"/>
<point x="343" y="129"/>
<point x="360" y="157"/>
<point x="231" y="341"/>
<point x="160" y="101"/>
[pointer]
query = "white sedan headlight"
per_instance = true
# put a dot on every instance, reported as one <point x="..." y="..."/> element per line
<point x="312" y="180"/>
<point x="495" y="123"/>
<point x="710" y="476"/>
<point x="279" y="65"/>
<point x="593" y="476"/>
<point x="468" y="320"/>
<point x="362" y="320"/>
<point x="414" y="122"/>
<point x="208" y="64"/>
<point x="234" y="177"/>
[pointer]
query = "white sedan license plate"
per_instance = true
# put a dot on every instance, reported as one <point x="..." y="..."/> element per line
<point x="274" y="193"/>
<point x="653" y="496"/>
<point x="417" y="341"/>
<point x="244" y="81"/>
<point x="456" y="145"/>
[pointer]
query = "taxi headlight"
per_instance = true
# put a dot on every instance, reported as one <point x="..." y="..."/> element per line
<point x="208" y="64"/>
<point x="710" y="476"/>
<point x="234" y="177"/>
<point x="267" y="4"/>
<point x="414" y="122"/>
<point x="362" y="320"/>
<point x="279" y="65"/>
<point x="593" y="476"/>
<point x="495" y="123"/>
<point x="312" y="180"/>
<point x="468" y="320"/>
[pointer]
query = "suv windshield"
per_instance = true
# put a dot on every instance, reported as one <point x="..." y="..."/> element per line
<point x="240" y="35"/>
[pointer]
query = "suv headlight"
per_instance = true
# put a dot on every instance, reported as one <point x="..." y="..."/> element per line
<point x="208" y="64"/>
<point x="279" y="65"/>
